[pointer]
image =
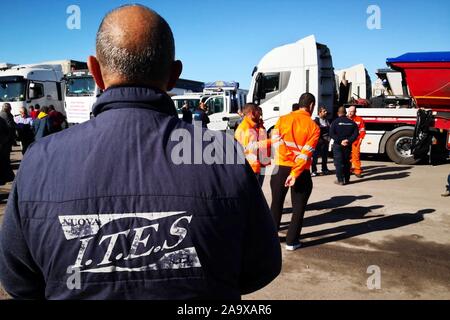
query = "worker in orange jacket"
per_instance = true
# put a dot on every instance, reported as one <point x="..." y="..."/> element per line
<point x="294" y="139"/>
<point x="356" y="146"/>
<point x="252" y="135"/>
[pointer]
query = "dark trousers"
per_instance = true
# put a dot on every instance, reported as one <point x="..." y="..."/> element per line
<point x="341" y="157"/>
<point x="300" y="193"/>
<point x="321" y="151"/>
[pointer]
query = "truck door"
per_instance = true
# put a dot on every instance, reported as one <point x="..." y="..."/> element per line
<point x="216" y="113"/>
<point x="52" y="96"/>
<point x="267" y="94"/>
<point x="36" y="93"/>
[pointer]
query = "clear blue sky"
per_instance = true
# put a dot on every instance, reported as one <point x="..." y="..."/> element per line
<point x="224" y="40"/>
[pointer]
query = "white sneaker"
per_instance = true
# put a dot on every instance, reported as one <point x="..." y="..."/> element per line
<point x="313" y="174"/>
<point x="293" y="247"/>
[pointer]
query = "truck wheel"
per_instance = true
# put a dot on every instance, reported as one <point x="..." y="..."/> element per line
<point x="398" y="148"/>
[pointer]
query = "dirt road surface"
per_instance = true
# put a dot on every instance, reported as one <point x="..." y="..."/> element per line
<point x="384" y="236"/>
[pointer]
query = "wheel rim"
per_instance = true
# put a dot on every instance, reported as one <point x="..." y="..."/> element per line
<point x="403" y="147"/>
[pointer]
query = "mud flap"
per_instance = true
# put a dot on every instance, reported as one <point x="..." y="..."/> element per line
<point x="422" y="135"/>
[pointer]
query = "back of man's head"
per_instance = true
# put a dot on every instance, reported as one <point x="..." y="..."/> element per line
<point x="45" y="109"/>
<point x="249" y="108"/>
<point x="6" y="107"/>
<point x="306" y="101"/>
<point x="341" y="111"/>
<point x="135" y="46"/>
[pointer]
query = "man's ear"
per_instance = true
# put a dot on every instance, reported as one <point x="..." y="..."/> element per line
<point x="175" y="72"/>
<point x="94" y="68"/>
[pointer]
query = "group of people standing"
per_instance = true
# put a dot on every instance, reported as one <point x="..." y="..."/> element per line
<point x="200" y="116"/>
<point x="294" y="139"/>
<point x="30" y="125"/>
<point x="298" y="142"/>
<point x="346" y="147"/>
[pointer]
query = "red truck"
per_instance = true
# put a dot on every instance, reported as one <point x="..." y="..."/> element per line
<point x="428" y="78"/>
<point x="409" y="126"/>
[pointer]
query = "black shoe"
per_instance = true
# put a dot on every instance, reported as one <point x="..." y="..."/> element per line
<point x="339" y="183"/>
<point x="326" y="172"/>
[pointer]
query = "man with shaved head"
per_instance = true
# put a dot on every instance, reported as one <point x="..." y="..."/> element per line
<point x="103" y="211"/>
<point x="344" y="132"/>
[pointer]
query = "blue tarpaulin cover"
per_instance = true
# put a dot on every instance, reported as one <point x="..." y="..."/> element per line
<point x="443" y="56"/>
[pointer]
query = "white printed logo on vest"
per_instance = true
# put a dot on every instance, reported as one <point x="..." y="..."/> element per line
<point x="107" y="246"/>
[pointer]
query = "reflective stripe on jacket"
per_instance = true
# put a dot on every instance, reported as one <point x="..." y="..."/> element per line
<point x="295" y="138"/>
<point x="253" y="140"/>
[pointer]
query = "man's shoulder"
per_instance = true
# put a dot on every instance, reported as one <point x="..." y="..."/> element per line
<point x="359" y="119"/>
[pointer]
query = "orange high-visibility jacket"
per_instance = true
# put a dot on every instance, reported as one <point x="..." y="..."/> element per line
<point x="361" y="127"/>
<point x="295" y="137"/>
<point x="253" y="139"/>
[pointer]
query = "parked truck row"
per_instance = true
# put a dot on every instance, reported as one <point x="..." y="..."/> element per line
<point x="66" y="84"/>
<point x="406" y="110"/>
<point x="409" y="114"/>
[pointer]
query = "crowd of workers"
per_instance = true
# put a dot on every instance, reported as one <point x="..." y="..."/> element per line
<point x="298" y="142"/>
<point x="29" y="126"/>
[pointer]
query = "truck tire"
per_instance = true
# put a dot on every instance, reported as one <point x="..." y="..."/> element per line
<point x="398" y="148"/>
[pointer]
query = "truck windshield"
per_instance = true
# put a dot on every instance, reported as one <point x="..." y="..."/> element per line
<point x="12" y="91"/>
<point x="192" y="104"/>
<point x="80" y="86"/>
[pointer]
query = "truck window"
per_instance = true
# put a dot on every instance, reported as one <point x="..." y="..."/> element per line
<point x="80" y="86"/>
<point x="267" y="86"/>
<point x="192" y="103"/>
<point x="271" y="82"/>
<point x="215" y="105"/>
<point x="235" y="103"/>
<point x="37" y="91"/>
<point x="12" y="91"/>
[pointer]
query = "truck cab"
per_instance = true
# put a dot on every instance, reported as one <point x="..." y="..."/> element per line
<point x="286" y="72"/>
<point x="25" y="85"/>
<point x="223" y="99"/>
<point x="81" y="94"/>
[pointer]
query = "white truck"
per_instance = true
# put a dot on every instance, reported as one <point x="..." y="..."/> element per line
<point x="286" y="72"/>
<point x="81" y="92"/>
<point x="25" y="85"/>
<point x="224" y="100"/>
